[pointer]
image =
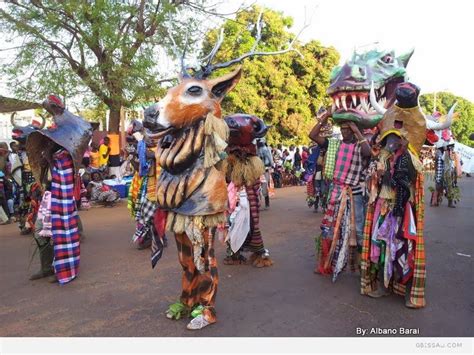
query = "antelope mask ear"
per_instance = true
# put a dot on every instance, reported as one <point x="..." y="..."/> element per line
<point x="222" y="85"/>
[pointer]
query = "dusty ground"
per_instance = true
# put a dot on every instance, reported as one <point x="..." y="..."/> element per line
<point x="118" y="294"/>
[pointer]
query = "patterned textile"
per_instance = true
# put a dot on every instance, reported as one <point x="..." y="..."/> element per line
<point x="439" y="173"/>
<point x="141" y="198"/>
<point x="157" y="245"/>
<point x="151" y="188"/>
<point x="133" y="194"/>
<point x="34" y="197"/>
<point x="338" y="232"/>
<point x="417" y="281"/>
<point x="44" y="214"/>
<point x="199" y="288"/>
<point x="417" y="293"/>
<point x="254" y="241"/>
<point x="64" y="219"/>
<point x="145" y="223"/>
<point x="333" y="146"/>
<point x="348" y="167"/>
<point x="144" y="164"/>
<point x="401" y="182"/>
<point x="310" y="191"/>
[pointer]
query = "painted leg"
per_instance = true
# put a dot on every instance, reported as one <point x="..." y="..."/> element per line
<point x="190" y="279"/>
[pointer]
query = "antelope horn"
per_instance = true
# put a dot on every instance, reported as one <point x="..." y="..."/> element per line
<point x="437" y="126"/>
<point x="260" y="127"/>
<point x="43" y="124"/>
<point x="12" y="120"/>
<point x="373" y="101"/>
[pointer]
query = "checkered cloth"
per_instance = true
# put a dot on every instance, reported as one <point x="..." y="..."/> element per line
<point x="64" y="219"/>
<point x="348" y="167"/>
<point x="333" y="146"/>
<point x="145" y="220"/>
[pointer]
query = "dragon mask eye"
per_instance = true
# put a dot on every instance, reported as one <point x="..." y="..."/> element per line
<point x="387" y="59"/>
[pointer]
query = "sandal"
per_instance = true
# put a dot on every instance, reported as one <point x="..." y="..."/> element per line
<point x="197" y="323"/>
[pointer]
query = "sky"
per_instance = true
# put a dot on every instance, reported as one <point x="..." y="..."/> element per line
<point x="441" y="32"/>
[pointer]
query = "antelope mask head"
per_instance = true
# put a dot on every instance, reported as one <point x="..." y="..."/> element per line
<point x="195" y="96"/>
<point x="192" y="99"/>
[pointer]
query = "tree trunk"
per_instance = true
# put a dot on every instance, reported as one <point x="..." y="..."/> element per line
<point x="114" y="119"/>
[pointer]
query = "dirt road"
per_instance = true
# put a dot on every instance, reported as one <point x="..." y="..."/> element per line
<point x="118" y="294"/>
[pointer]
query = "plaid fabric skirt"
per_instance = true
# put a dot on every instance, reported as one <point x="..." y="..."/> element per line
<point x="64" y="219"/>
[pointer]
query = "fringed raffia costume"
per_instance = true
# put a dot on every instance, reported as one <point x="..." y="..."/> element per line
<point x="244" y="169"/>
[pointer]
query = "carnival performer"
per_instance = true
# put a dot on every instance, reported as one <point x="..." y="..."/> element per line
<point x="393" y="255"/>
<point x="342" y="225"/>
<point x="192" y="191"/>
<point x="446" y="161"/>
<point x="244" y="169"/>
<point x="55" y="154"/>
<point x="265" y="155"/>
<point x="26" y="193"/>
<point x="142" y="201"/>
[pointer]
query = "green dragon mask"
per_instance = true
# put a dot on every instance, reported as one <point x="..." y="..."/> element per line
<point x="350" y="85"/>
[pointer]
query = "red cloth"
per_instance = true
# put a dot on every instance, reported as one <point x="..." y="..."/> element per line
<point x="304" y="157"/>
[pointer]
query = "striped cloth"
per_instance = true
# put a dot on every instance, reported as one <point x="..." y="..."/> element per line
<point x="333" y="147"/>
<point x="417" y="293"/>
<point x="254" y="241"/>
<point x="64" y="219"/>
<point x="159" y="230"/>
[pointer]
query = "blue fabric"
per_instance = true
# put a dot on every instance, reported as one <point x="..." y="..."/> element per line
<point x="144" y="165"/>
<point x="312" y="159"/>
<point x="360" y="207"/>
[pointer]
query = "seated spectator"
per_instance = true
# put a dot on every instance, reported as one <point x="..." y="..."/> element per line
<point x="101" y="193"/>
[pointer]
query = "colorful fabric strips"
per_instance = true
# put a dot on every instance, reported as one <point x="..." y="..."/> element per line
<point x="64" y="219"/>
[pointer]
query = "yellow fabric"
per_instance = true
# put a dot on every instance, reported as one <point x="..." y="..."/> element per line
<point x="94" y="160"/>
<point x="102" y="151"/>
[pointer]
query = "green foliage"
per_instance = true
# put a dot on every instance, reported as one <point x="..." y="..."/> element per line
<point x="95" y="114"/>
<point x="463" y="125"/>
<point x="105" y="51"/>
<point x="285" y="90"/>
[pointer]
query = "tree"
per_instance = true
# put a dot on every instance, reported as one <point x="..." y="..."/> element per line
<point x="285" y="90"/>
<point x="106" y="48"/>
<point x="463" y="125"/>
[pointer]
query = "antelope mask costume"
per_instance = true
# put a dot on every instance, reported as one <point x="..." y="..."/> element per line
<point x="191" y="188"/>
<point x="191" y="139"/>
